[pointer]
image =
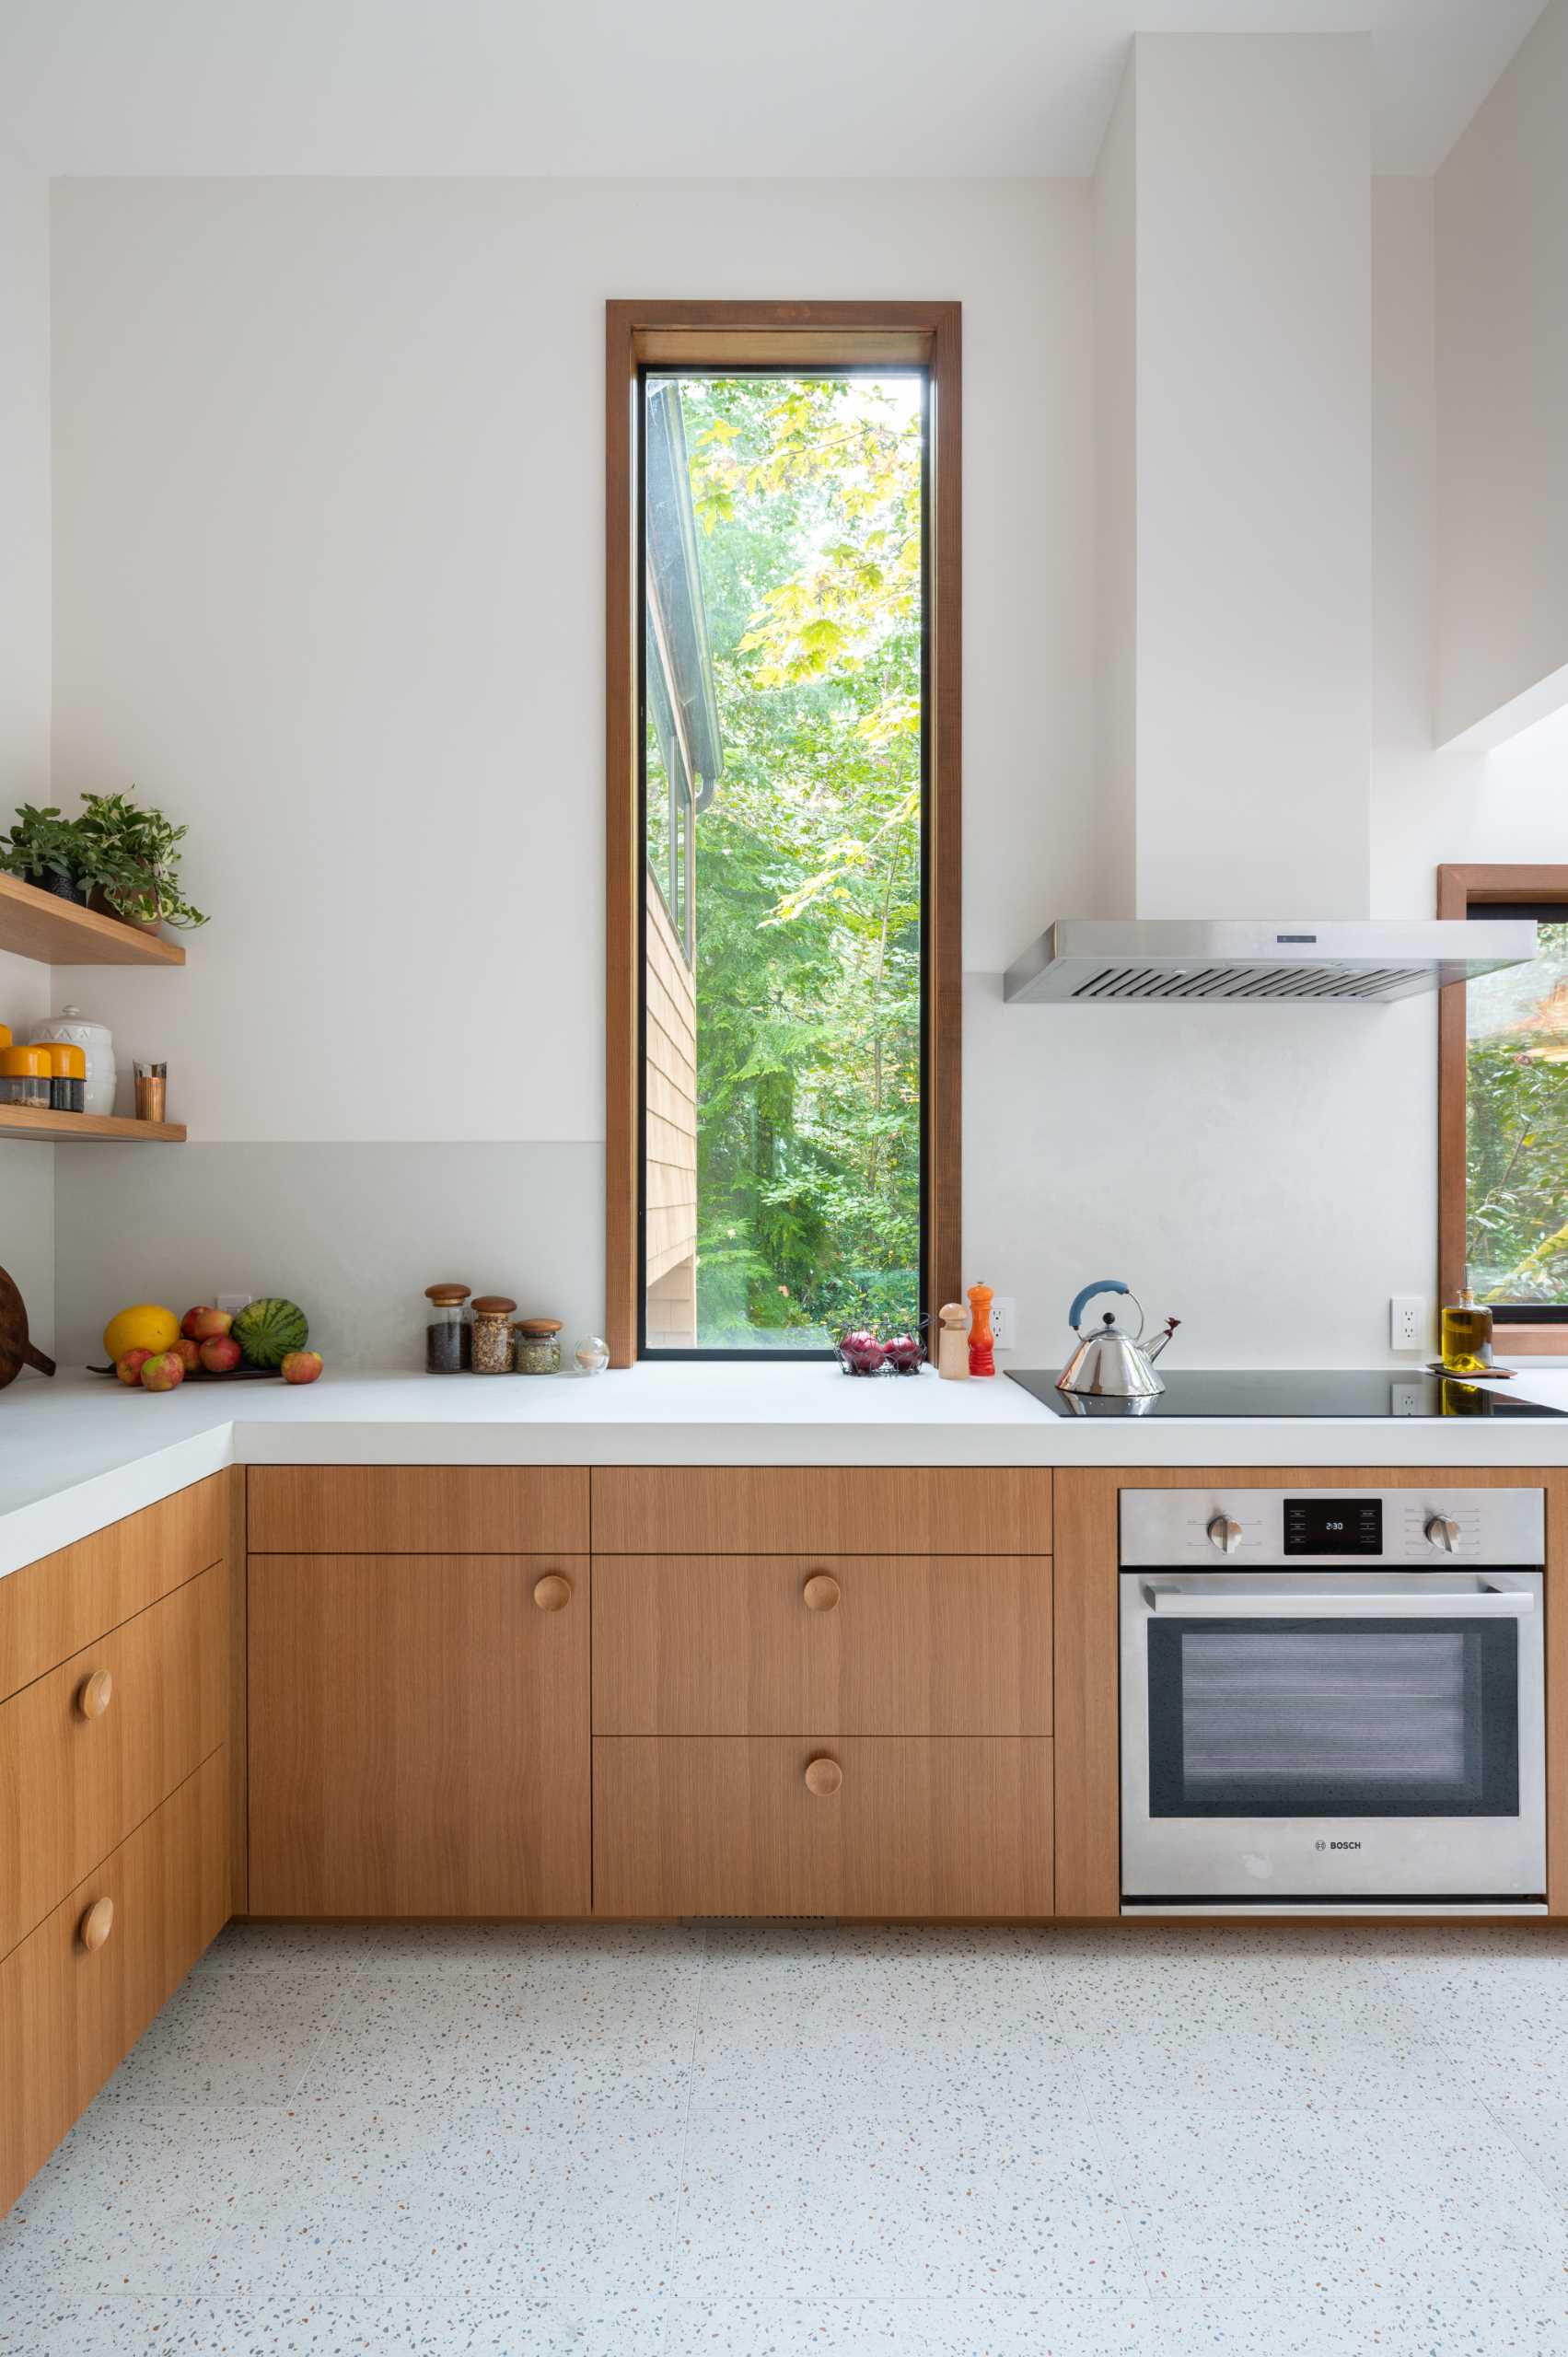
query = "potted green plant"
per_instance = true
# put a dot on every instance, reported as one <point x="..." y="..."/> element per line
<point x="44" y="849"/>
<point x="134" y="853"/>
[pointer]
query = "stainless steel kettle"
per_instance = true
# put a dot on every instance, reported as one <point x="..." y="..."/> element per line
<point x="1108" y="1364"/>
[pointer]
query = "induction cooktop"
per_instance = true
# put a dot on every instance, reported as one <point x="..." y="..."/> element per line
<point x="1261" y="1391"/>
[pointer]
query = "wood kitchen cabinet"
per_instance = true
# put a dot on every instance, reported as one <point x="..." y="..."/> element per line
<point x="789" y="1826"/>
<point x="419" y="1735"/>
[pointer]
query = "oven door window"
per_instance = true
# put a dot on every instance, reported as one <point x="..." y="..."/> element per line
<point x="1321" y="1718"/>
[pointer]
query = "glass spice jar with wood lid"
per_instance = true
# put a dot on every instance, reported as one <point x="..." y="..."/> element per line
<point x="446" y="1332"/>
<point x="493" y="1334"/>
<point x="539" y="1346"/>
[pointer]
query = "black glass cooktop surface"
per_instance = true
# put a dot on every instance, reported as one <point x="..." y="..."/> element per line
<point x="1261" y="1391"/>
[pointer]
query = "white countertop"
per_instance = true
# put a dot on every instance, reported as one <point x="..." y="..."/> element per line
<point x="79" y="1452"/>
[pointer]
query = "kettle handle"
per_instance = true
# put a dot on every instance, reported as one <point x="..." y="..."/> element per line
<point x="1100" y="1285"/>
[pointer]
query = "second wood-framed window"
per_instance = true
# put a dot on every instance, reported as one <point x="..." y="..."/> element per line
<point x="1503" y="1114"/>
<point x="782" y="824"/>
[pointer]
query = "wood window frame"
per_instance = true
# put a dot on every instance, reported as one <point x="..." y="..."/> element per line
<point x="1460" y="889"/>
<point x="704" y="335"/>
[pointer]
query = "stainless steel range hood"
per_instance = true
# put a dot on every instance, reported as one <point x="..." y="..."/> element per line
<point x="1155" y="961"/>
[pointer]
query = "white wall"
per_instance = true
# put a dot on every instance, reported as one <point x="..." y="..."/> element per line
<point x="1503" y="397"/>
<point x="1253" y="180"/>
<point x="27" y="1171"/>
<point x="329" y="587"/>
<point x="328" y="584"/>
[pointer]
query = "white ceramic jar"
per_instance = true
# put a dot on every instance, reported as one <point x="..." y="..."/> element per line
<point x="96" y="1043"/>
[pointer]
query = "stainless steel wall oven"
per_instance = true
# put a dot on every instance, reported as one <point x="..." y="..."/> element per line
<point x="1350" y="1716"/>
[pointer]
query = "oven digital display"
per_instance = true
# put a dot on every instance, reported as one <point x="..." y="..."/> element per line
<point x="1333" y="1526"/>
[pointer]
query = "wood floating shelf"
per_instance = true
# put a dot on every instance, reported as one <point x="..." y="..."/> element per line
<point x="62" y="933"/>
<point x="41" y="1121"/>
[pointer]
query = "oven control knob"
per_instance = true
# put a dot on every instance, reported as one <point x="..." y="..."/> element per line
<point x="1442" y="1531"/>
<point x="1224" y="1534"/>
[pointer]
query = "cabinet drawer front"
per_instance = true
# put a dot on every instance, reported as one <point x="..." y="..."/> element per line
<point x="50" y="1610"/>
<point x="858" y="1644"/>
<point x="860" y="1510"/>
<point x="419" y="1735"/>
<point x="68" y="2014"/>
<point x="87" y="1751"/>
<point x="951" y="1826"/>
<point x="418" y="1509"/>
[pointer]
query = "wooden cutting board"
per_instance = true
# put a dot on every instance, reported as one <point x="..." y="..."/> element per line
<point x="16" y="1351"/>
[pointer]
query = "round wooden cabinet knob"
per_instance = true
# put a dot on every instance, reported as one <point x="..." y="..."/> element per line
<point x="551" y="1592"/>
<point x="95" y="1694"/>
<point x="823" y="1777"/>
<point x="821" y="1592"/>
<point x="95" y="1925"/>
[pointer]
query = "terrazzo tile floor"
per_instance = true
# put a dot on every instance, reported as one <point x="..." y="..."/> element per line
<point x="764" y="2141"/>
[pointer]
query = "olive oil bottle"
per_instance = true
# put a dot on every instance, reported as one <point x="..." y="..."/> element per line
<point x="1467" y="1335"/>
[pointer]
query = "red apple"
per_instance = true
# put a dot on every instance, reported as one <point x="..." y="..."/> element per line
<point x="166" y="1372"/>
<point x="129" y="1368"/>
<point x="220" y="1353"/>
<point x="302" y="1366"/>
<point x="208" y="1325"/>
<point x="188" y="1352"/>
<point x="188" y="1323"/>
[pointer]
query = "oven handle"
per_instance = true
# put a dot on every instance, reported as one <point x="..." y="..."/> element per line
<point x="1487" y="1604"/>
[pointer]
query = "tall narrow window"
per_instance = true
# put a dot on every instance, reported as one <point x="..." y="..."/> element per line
<point x="783" y="770"/>
<point x="1503" y="1086"/>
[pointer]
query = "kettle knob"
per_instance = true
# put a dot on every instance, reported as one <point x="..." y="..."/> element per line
<point x="1102" y="1285"/>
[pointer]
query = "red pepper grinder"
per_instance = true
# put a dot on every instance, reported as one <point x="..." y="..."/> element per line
<point x="982" y="1341"/>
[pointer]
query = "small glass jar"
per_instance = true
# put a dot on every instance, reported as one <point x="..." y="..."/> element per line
<point x="493" y="1334"/>
<point x="539" y="1346"/>
<point x="24" y="1077"/>
<point x="68" y="1078"/>
<point x="448" y="1335"/>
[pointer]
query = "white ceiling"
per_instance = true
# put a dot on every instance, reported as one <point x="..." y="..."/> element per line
<point x="885" y="88"/>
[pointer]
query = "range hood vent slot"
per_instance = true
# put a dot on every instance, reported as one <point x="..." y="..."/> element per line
<point x="1158" y="961"/>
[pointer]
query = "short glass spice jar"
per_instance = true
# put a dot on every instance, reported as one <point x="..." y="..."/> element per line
<point x="24" y="1077"/>
<point x="539" y="1346"/>
<point x="446" y="1334"/>
<point x="492" y="1334"/>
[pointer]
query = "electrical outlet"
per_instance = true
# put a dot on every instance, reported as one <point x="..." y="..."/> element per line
<point x="1004" y="1322"/>
<point x="233" y="1300"/>
<point x="1406" y="1322"/>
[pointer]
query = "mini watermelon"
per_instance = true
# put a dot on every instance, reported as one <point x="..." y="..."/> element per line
<point x="267" y="1331"/>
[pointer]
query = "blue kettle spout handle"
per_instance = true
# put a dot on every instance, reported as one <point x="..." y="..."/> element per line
<point x="1100" y="1285"/>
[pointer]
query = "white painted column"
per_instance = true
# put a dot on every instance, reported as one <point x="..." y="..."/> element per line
<point x="1234" y="242"/>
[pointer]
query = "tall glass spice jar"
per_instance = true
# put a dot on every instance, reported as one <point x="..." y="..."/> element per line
<point x="539" y="1346"/>
<point x="446" y="1334"/>
<point x="493" y="1334"/>
<point x="68" y="1078"/>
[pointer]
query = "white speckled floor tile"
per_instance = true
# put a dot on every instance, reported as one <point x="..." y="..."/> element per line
<point x="816" y="2218"/>
<point x="757" y="2324"/>
<point x="234" y="2038"/>
<point x="1537" y="2128"/>
<point x="1178" y="2068"/>
<point x="1397" y="2311"/>
<point x="481" y="2056"/>
<point x="603" y="2329"/>
<point x="959" y="2099"/>
<point x="159" y="2202"/>
<point x="200" y="2327"/>
<point x="527" y="1949"/>
<point x="1212" y="2199"/>
<point x="244" y="1946"/>
<point x="988" y="2326"/>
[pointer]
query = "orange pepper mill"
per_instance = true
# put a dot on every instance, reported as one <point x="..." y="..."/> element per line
<point x="982" y="1341"/>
